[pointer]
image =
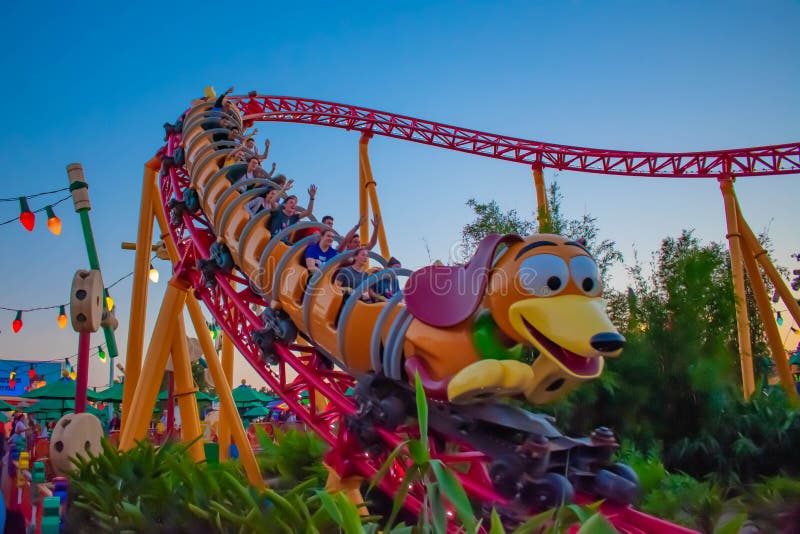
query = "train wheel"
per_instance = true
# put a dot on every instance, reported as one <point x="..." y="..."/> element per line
<point x="505" y="472"/>
<point x="546" y="492"/>
<point x="392" y="412"/>
<point x="287" y="331"/>
<point x="617" y="483"/>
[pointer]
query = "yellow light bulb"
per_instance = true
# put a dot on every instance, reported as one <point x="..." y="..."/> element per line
<point x="153" y="274"/>
<point x="109" y="303"/>
<point x="53" y="222"/>
<point x="62" y="318"/>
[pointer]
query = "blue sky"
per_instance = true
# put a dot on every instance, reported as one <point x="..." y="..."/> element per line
<point x="94" y="81"/>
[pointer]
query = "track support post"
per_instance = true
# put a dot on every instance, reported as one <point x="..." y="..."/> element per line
<point x="542" y="208"/>
<point x="133" y="356"/>
<point x="737" y="271"/>
<point x="369" y="193"/>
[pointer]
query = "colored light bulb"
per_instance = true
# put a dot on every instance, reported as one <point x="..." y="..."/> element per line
<point x="101" y="354"/>
<point x="16" y="325"/>
<point x="153" y="275"/>
<point x="109" y="302"/>
<point x="72" y="375"/>
<point x="62" y="318"/>
<point x="26" y="216"/>
<point x="53" y="222"/>
<point x="31" y="373"/>
<point x="779" y="319"/>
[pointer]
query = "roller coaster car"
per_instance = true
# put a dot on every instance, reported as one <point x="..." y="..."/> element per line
<point x="468" y="326"/>
<point x="462" y="328"/>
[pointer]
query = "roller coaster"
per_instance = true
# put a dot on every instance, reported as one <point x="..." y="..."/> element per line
<point x="312" y="339"/>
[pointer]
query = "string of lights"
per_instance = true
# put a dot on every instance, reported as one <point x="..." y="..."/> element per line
<point x="28" y="218"/>
<point x="16" y="324"/>
<point x="43" y="193"/>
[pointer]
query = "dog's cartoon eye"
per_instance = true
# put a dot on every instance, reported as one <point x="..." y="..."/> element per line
<point x="543" y="275"/>
<point x="586" y="275"/>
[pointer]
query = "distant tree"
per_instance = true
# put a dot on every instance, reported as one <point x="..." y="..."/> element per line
<point x="490" y="218"/>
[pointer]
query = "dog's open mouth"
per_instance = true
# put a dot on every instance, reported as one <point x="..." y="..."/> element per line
<point x="577" y="364"/>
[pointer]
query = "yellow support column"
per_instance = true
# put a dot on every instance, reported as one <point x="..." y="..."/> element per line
<point x="227" y="406"/>
<point x="133" y="356"/>
<point x="742" y="321"/>
<point x="351" y="487"/>
<point x="770" y="326"/>
<point x="144" y="399"/>
<point x="162" y="225"/>
<point x="186" y="389"/>
<point x="543" y="209"/>
<point x="224" y="428"/>
<point x="769" y="269"/>
<point x="370" y="185"/>
<point x="363" y="206"/>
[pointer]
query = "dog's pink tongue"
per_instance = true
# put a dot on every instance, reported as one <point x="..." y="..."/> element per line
<point x="578" y="364"/>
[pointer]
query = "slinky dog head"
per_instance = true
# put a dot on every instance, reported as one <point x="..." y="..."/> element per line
<point x="542" y="291"/>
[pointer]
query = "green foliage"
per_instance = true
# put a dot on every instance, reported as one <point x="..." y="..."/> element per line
<point x="676" y="385"/>
<point x="774" y="504"/>
<point x="160" y="490"/>
<point x="490" y="218"/>
<point x="292" y="457"/>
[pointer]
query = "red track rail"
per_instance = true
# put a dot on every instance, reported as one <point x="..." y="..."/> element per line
<point x="738" y="162"/>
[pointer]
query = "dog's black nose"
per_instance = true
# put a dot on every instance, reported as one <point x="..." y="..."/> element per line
<point x="607" y="341"/>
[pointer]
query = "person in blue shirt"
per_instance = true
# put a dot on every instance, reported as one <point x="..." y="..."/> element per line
<point x="321" y="251"/>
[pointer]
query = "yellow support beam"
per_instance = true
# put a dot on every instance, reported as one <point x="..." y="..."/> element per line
<point x="224" y="425"/>
<point x="368" y="182"/>
<point x="138" y="311"/>
<point x="172" y="250"/>
<point x="770" y="326"/>
<point x="769" y="268"/>
<point x="543" y="209"/>
<point x="227" y="406"/>
<point x="155" y="363"/>
<point x="363" y="203"/>
<point x="737" y="272"/>
<point x="186" y="388"/>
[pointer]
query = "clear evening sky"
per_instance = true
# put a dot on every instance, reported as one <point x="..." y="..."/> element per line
<point x="93" y="82"/>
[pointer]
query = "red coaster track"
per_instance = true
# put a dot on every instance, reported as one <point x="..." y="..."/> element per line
<point x="738" y="162"/>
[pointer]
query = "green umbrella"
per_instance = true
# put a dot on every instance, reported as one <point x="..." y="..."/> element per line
<point x="254" y="413"/>
<point x="3" y="418"/>
<point x="112" y="394"/>
<point x="54" y="409"/>
<point x="61" y="389"/>
<point x="244" y="396"/>
<point x="6" y="407"/>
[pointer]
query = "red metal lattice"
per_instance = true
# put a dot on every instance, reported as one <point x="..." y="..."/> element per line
<point x="738" y="162"/>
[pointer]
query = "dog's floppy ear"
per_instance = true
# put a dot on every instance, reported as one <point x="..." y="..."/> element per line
<point x="443" y="296"/>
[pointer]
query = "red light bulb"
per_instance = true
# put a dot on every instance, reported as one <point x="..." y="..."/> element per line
<point x="26" y="216"/>
<point x="16" y="325"/>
